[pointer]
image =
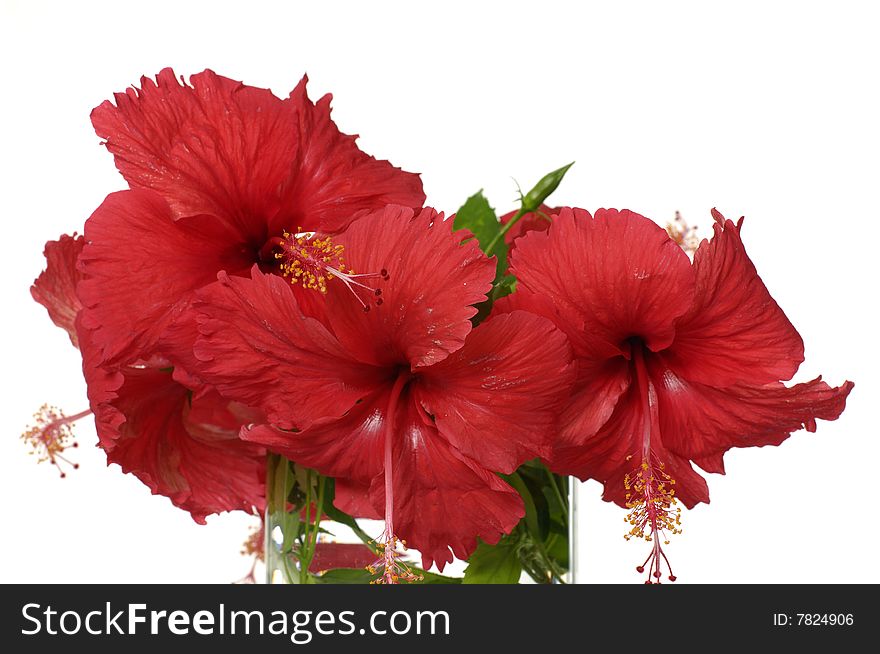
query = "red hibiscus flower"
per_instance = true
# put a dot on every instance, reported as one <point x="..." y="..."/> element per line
<point x="676" y="362"/>
<point x="407" y="401"/>
<point x="218" y="171"/>
<point x="183" y="447"/>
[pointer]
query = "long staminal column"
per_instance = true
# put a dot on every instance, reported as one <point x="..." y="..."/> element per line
<point x="311" y="260"/>
<point x="52" y="435"/>
<point x="390" y="567"/>
<point x="653" y="511"/>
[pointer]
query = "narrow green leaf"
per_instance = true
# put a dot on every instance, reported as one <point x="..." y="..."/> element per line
<point x="341" y="517"/>
<point x="531" y="512"/>
<point x="345" y="576"/>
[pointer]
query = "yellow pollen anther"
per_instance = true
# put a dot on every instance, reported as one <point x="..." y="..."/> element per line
<point x="653" y="514"/>
<point x="390" y="567"/>
<point x="312" y="261"/>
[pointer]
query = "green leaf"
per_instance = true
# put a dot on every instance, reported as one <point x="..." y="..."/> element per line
<point x="557" y="545"/>
<point x="361" y="576"/>
<point x="345" y="576"/>
<point x="504" y="286"/>
<point x="494" y="564"/>
<point x="479" y="217"/>
<point x="542" y="506"/>
<point x="531" y="516"/>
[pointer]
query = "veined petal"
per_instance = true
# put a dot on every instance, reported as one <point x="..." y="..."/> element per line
<point x="429" y="296"/>
<point x="55" y="288"/>
<point x="102" y="384"/>
<point x="618" y="271"/>
<point x="331" y="180"/>
<point x="536" y="221"/>
<point x="216" y="147"/>
<point x="349" y="447"/>
<point x="598" y="383"/>
<point x="734" y="332"/>
<point x="593" y="399"/>
<point x="615" y="451"/>
<point x="701" y="422"/>
<point x="443" y="500"/>
<point x="565" y="317"/>
<point x="354" y="499"/>
<point x="182" y="446"/>
<point x="140" y="268"/>
<point x="497" y="399"/>
<point x="180" y="336"/>
<point x="258" y="348"/>
<point x="188" y="451"/>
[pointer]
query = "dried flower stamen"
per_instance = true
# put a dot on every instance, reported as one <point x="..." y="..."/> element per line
<point x="683" y="234"/>
<point x="52" y="435"/>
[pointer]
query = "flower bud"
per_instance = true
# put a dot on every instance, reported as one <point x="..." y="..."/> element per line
<point x="542" y="190"/>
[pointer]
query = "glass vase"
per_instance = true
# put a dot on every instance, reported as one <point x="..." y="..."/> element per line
<point x="308" y="540"/>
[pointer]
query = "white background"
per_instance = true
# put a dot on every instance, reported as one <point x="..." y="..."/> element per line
<point x="763" y="109"/>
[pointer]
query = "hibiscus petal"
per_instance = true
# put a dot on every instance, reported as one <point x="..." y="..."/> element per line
<point x="184" y="448"/>
<point x="354" y="499"/>
<point x="497" y="399"/>
<point x="349" y="447"/>
<point x="443" y="500"/>
<point x="700" y="422"/>
<point x="428" y="300"/>
<point x="598" y="384"/>
<point x="55" y="288"/>
<point x="330" y="556"/>
<point x="615" y="450"/>
<point x="258" y="348"/>
<point x="734" y="332"/>
<point x="618" y="272"/>
<point x="536" y="221"/>
<point x="102" y="383"/>
<point x="331" y="179"/>
<point x="178" y="340"/>
<point x="216" y="147"/>
<point x="140" y="268"/>
<point x="596" y="392"/>
<point x="565" y="317"/>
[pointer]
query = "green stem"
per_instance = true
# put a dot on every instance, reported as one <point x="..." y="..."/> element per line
<point x="312" y="542"/>
<point x="559" y="496"/>
<point x="551" y="569"/>
<point x="503" y="231"/>
<point x="303" y="554"/>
